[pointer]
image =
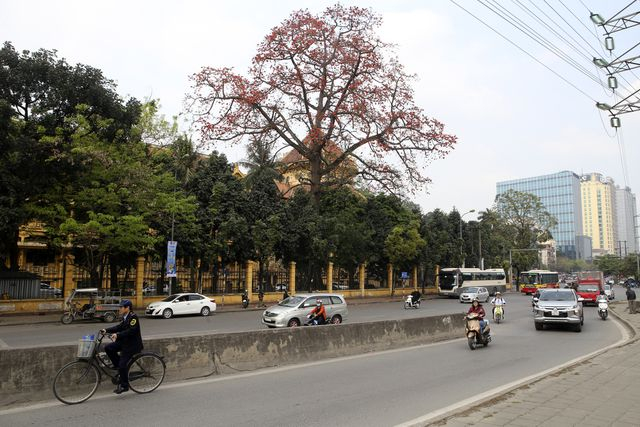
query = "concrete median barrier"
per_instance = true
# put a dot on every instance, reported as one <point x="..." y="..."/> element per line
<point x="26" y="374"/>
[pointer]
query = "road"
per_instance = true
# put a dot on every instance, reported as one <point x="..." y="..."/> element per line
<point x="21" y="336"/>
<point x="377" y="389"/>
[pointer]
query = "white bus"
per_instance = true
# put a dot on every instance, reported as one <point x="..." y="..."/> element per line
<point x="451" y="281"/>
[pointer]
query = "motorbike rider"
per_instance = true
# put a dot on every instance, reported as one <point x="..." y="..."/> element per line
<point x="498" y="300"/>
<point x="319" y="314"/>
<point x="602" y="296"/>
<point x="477" y="308"/>
<point x="415" y="297"/>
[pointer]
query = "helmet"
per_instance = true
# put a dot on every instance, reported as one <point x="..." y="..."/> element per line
<point x="318" y="302"/>
<point x="126" y="303"/>
<point x="475" y="300"/>
<point x="498" y="293"/>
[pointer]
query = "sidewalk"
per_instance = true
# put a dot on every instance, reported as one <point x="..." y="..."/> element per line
<point x="601" y="391"/>
<point x="54" y="317"/>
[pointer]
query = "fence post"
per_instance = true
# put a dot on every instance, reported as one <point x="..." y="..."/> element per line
<point x="248" y="280"/>
<point x="414" y="277"/>
<point x="139" y="282"/>
<point x="330" y="277"/>
<point x="390" y="278"/>
<point x="292" y="277"/>
<point x="361" y="278"/>
<point x="69" y="283"/>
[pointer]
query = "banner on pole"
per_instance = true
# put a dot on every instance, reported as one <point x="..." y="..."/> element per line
<point x="171" y="258"/>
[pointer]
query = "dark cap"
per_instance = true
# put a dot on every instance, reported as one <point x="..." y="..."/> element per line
<point x="126" y="303"/>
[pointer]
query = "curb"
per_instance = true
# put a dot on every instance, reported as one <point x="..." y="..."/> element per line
<point x="442" y="415"/>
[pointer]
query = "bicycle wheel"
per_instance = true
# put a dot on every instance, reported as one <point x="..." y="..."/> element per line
<point x="146" y="372"/>
<point x="76" y="382"/>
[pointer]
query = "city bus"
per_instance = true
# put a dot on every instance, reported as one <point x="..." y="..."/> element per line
<point x="452" y="281"/>
<point x="532" y="280"/>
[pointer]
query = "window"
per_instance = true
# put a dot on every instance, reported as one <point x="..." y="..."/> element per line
<point x="195" y="297"/>
<point x="336" y="300"/>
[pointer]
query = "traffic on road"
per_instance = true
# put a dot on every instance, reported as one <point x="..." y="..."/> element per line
<point x="410" y="382"/>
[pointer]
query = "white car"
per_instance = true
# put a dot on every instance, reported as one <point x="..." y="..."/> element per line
<point x="609" y="292"/>
<point x="178" y="304"/>
<point x="469" y="294"/>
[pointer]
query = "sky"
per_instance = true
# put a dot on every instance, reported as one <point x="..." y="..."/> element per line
<point x="513" y="116"/>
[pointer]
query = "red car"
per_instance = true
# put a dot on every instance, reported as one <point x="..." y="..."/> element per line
<point x="589" y="292"/>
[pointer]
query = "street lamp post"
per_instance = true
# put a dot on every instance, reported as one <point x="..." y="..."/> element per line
<point x="461" y="241"/>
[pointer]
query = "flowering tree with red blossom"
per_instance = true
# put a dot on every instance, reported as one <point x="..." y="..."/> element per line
<point x="327" y="87"/>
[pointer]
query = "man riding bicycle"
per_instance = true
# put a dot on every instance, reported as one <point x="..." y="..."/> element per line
<point x="127" y="340"/>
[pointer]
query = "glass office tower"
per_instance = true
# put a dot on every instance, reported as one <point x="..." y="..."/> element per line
<point x="560" y="194"/>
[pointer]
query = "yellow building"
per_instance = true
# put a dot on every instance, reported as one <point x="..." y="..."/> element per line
<point x="598" y="212"/>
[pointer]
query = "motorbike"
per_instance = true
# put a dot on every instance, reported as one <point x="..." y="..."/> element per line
<point x="475" y="338"/>
<point x="245" y="300"/>
<point x="603" y="308"/>
<point x="408" y="303"/>
<point x="498" y="313"/>
<point x="313" y="321"/>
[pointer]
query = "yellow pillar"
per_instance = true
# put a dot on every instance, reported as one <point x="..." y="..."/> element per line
<point x="69" y="283"/>
<point x="330" y="277"/>
<point x="361" y="268"/>
<point x="59" y="270"/>
<point x="292" y="277"/>
<point x="414" y="277"/>
<point x="139" y="282"/>
<point x="249" y="280"/>
<point x="390" y="278"/>
<point x="22" y="258"/>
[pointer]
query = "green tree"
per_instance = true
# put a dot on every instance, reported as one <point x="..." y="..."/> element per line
<point x="527" y="224"/>
<point x="609" y="264"/>
<point x="39" y="97"/>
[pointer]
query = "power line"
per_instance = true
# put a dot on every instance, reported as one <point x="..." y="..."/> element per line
<point x="551" y="49"/>
<point x="523" y="50"/>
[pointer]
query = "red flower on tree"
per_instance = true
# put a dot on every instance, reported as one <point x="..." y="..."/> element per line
<point x="324" y="80"/>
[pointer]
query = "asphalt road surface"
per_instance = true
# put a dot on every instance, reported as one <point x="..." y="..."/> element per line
<point x="20" y="336"/>
<point x="377" y="389"/>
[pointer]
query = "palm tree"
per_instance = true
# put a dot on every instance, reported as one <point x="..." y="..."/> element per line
<point x="261" y="161"/>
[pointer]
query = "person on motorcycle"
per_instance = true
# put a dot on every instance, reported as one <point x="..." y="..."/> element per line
<point x="498" y="301"/>
<point x="477" y="308"/>
<point x="319" y="314"/>
<point x="415" y="297"/>
<point x="602" y="296"/>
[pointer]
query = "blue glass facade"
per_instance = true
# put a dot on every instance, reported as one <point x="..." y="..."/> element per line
<point x="560" y="194"/>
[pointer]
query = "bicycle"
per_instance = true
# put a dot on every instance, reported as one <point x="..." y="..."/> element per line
<point x="77" y="381"/>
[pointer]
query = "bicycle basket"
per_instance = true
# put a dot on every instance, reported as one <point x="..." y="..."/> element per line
<point x="85" y="348"/>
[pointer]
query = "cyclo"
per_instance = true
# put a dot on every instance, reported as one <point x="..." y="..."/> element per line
<point x="102" y="305"/>
<point x="77" y="381"/>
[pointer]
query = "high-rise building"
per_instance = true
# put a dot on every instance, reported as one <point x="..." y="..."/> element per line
<point x="626" y="213"/>
<point x="599" y="212"/>
<point x="560" y="194"/>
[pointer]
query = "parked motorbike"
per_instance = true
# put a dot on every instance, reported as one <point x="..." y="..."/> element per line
<point x="498" y="313"/>
<point x="245" y="300"/>
<point x="408" y="303"/>
<point x="475" y="337"/>
<point x="603" y="308"/>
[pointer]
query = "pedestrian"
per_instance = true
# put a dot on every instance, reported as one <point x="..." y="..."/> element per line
<point x="261" y="298"/>
<point x="631" y="300"/>
<point x="127" y="340"/>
